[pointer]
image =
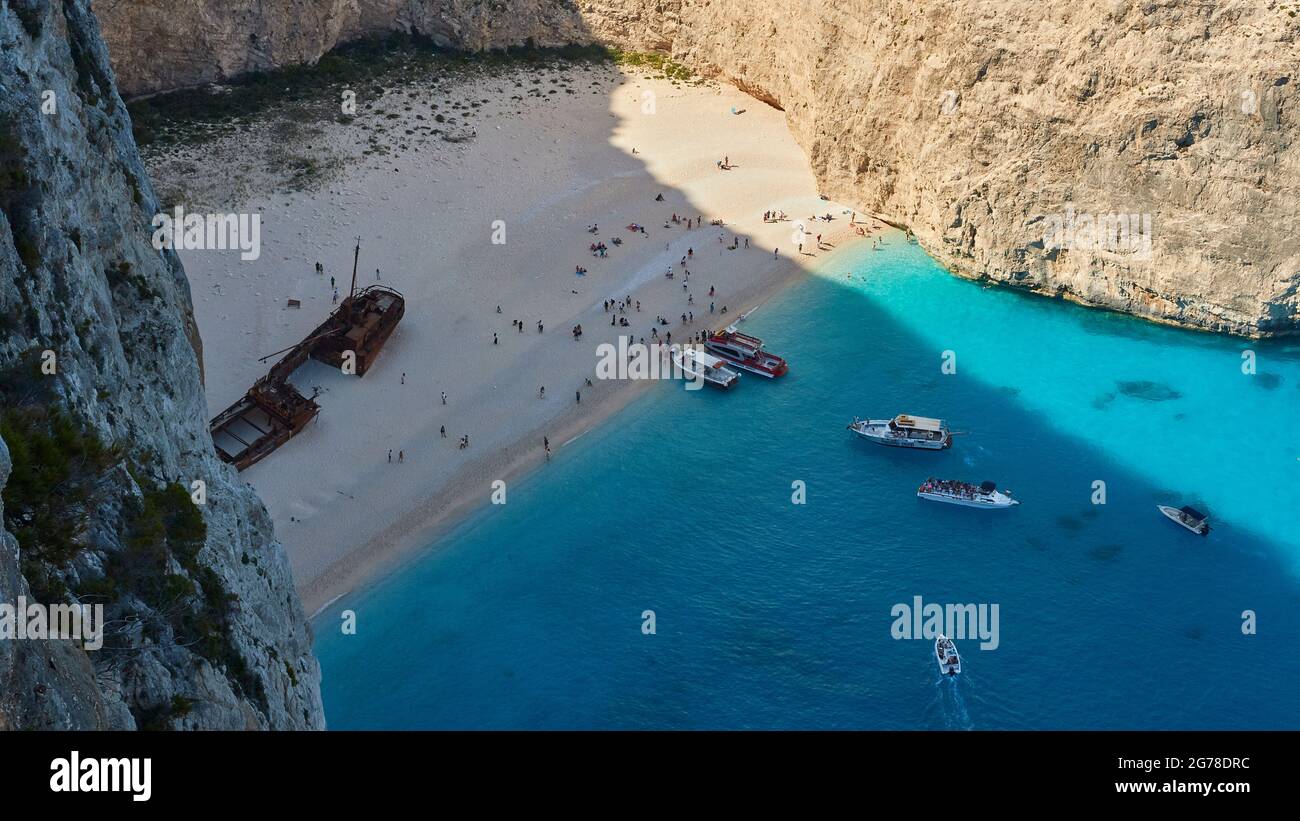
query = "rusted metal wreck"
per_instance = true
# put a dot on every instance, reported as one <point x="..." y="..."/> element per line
<point x="273" y="411"/>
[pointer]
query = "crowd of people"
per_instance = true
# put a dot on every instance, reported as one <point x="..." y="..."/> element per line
<point x="619" y="308"/>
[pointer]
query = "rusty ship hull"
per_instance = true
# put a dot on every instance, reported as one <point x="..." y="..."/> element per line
<point x="273" y="411"/>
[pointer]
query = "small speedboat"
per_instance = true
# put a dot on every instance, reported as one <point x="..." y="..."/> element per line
<point x="945" y="652"/>
<point x="697" y="364"/>
<point x="1189" y="517"/>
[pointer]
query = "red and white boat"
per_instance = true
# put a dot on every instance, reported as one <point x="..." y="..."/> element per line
<point x="745" y="352"/>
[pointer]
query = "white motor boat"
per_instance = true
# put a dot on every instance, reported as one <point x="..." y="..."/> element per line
<point x="905" y="431"/>
<point x="698" y="364"/>
<point x="945" y="652"/>
<point x="1189" y="517"/>
<point x="984" y="495"/>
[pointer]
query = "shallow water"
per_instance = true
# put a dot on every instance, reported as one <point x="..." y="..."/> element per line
<point x="772" y="614"/>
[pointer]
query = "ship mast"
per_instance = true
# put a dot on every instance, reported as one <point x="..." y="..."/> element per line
<point x="355" y="256"/>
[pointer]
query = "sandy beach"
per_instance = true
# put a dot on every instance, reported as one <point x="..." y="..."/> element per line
<point x="531" y="171"/>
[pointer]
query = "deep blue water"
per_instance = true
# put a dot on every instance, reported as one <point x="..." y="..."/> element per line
<point x="771" y="614"/>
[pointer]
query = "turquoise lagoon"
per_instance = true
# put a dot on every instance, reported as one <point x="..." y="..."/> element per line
<point x="770" y="614"/>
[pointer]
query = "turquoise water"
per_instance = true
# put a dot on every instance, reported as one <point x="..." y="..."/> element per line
<point x="770" y="614"/>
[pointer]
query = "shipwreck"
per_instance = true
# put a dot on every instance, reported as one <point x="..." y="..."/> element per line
<point x="273" y="411"/>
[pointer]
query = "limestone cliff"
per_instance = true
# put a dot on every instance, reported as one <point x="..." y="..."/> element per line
<point x="105" y="431"/>
<point x="1009" y="137"/>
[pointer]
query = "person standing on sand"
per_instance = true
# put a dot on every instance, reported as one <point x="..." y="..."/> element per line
<point x="376" y="275"/>
<point x="442" y="431"/>
<point x="332" y="285"/>
<point x="336" y="296"/>
<point x="401" y="456"/>
<point x="494" y="338"/>
<point x="546" y="443"/>
<point x="444" y="397"/>
<point x="390" y="456"/>
<point x="542" y="393"/>
<point x="775" y="252"/>
<point x="578" y="397"/>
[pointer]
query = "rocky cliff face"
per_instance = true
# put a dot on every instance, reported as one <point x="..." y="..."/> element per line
<point x="104" y="431"/>
<point x="1139" y="155"/>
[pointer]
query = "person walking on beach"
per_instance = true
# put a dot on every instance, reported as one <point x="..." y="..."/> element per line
<point x="494" y="338"/>
<point x="332" y="285"/>
<point x="442" y="431"/>
<point x="539" y="326"/>
<point x="401" y="456"/>
<point x="542" y="393"/>
<point x="376" y="275"/>
<point x="336" y="296"/>
<point x="390" y="455"/>
<point x="775" y="252"/>
<point x="444" y="397"/>
<point x="546" y="443"/>
<point x="578" y="397"/>
<point x="403" y="377"/>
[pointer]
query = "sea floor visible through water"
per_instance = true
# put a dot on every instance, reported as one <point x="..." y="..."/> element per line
<point x="772" y="614"/>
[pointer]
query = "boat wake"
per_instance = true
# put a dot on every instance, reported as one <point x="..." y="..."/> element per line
<point x="952" y="703"/>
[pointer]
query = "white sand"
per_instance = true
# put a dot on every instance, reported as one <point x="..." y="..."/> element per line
<point x="548" y="168"/>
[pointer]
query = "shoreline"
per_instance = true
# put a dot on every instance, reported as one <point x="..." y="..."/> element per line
<point x="427" y="173"/>
<point x="417" y="534"/>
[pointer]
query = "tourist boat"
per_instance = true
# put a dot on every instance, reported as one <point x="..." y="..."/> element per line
<point x="696" y="364"/>
<point x="984" y="495"/>
<point x="904" y="431"/>
<point x="1189" y="517"/>
<point x="745" y="352"/>
<point x="945" y="652"/>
